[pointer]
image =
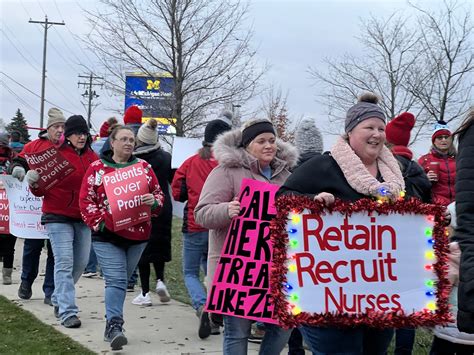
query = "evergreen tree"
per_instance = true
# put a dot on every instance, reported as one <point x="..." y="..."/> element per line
<point x="19" y="124"/>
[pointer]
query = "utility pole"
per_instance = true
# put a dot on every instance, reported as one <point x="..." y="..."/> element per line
<point x="46" y="24"/>
<point x="91" y="94"/>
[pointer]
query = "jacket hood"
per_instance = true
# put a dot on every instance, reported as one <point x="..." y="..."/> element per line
<point x="144" y="149"/>
<point x="228" y="152"/>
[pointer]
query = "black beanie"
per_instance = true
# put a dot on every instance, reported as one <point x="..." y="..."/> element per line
<point x="75" y="124"/>
<point x="255" y="128"/>
<point x="213" y="129"/>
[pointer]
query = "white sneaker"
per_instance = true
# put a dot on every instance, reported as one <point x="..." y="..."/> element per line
<point x="162" y="291"/>
<point x="141" y="300"/>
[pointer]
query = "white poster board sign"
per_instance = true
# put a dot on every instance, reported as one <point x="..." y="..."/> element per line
<point x="25" y="210"/>
<point x="183" y="148"/>
<point x="361" y="263"/>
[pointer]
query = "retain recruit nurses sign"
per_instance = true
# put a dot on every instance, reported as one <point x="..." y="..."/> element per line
<point x="379" y="264"/>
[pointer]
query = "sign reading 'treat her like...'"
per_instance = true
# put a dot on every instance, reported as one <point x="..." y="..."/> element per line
<point x="124" y="188"/>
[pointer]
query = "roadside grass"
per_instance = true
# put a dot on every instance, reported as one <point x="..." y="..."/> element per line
<point x="22" y="333"/>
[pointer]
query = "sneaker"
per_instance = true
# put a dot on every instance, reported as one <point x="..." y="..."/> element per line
<point x="141" y="300"/>
<point x="89" y="274"/>
<point x="204" y="323"/>
<point x="162" y="291"/>
<point x="47" y="300"/>
<point x="215" y="329"/>
<point x="56" y="311"/>
<point x="130" y="288"/>
<point x="114" y="333"/>
<point x="256" y="334"/>
<point x="24" y="292"/>
<point x="72" y="322"/>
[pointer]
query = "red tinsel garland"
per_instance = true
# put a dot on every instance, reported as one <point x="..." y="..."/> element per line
<point x="279" y="236"/>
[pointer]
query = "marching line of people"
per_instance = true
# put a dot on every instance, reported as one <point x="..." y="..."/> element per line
<point x="371" y="154"/>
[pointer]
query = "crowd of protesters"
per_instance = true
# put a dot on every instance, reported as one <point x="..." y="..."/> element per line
<point x="373" y="153"/>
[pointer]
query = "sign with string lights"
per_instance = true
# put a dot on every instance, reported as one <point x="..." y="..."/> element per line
<point x="371" y="262"/>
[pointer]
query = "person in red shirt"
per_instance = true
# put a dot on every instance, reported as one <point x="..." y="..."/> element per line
<point x="440" y="165"/>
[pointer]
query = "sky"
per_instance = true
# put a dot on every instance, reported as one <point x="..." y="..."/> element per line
<point x="290" y="36"/>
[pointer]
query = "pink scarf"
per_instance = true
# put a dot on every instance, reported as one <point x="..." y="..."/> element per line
<point x="360" y="179"/>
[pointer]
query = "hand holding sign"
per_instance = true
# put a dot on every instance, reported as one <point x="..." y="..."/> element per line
<point x="148" y="199"/>
<point x="233" y="208"/>
<point x="325" y="197"/>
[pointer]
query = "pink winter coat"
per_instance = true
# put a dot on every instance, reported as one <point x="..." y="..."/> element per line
<point x="223" y="185"/>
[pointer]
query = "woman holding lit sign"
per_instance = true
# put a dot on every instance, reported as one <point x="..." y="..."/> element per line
<point x="253" y="153"/>
<point x="358" y="166"/>
<point x="119" y="247"/>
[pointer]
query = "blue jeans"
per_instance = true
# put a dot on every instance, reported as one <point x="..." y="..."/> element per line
<point x="350" y="341"/>
<point x="92" y="264"/>
<point x="195" y="245"/>
<point x="71" y="243"/>
<point x="237" y="331"/>
<point x="30" y="264"/>
<point x="117" y="265"/>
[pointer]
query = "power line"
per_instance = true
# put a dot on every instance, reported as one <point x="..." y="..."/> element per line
<point x="19" y="52"/>
<point x="17" y="97"/>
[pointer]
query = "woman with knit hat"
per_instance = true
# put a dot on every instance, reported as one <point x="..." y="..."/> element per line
<point x="358" y="166"/>
<point x="158" y="249"/>
<point x="440" y="165"/>
<point x="104" y="132"/>
<point x="253" y="153"/>
<point x="70" y="237"/>
<point x="186" y="187"/>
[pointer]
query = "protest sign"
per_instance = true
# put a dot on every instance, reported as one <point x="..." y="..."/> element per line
<point x="124" y="189"/>
<point x="51" y="166"/>
<point x="183" y="148"/>
<point x="242" y="278"/>
<point x="4" y="211"/>
<point x="25" y="210"/>
<point x="378" y="264"/>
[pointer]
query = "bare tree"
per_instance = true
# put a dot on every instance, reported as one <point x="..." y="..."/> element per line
<point x="422" y="65"/>
<point x="274" y="107"/>
<point x="201" y="43"/>
<point x="442" y="78"/>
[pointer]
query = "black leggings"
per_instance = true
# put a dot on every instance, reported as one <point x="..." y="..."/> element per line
<point x="145" y="271"/>
<point x="8" y="250"/>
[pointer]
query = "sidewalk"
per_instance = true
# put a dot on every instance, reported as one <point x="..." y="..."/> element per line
<point x="160" y="329"/>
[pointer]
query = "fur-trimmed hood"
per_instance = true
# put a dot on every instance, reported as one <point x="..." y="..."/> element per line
<point x="228" y="152"/>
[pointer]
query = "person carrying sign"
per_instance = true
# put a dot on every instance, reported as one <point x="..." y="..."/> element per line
<point x="7" y="240"/>
<point x="70" y="238"/>
<point x="358" y="166"/>
<point x="118" y="195"/>
<point x="51" y="138"/>
<point x="254" y="153"/>
<point x="186" y="187"/>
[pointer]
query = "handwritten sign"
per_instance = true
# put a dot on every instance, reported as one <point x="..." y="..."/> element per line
<point x="242" y="279"/>
<point x="51" y="166"/>
<point x="4" y="212"/>
<point x="25" y="210"/>
<point x="124" y="188"/>
<point x="372" y="265"/>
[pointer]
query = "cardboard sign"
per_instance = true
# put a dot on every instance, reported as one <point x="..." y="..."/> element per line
<point x="183" y="148"/>
<point x="242" y="279"/>
<point x="25" y="210"/>
<point x="4" y="212"/>
<point x="124" y="188"/>
<point x="378" y="265"/>
<point x="51" y="166"/>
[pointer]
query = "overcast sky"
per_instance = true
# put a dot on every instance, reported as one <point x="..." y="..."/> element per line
<point x="290" y="35"/>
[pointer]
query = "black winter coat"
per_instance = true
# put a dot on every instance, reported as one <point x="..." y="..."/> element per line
<point x="416" y="181"/>
<point x="465" y="230"/>
<point x="159" y="245"/>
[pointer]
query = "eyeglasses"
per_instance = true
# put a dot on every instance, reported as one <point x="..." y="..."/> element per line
<point x="126" y="140"/>
<point x="443" y="137"/>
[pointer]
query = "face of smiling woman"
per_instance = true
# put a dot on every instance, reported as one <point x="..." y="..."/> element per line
<point x="367" y="139"/>
<point x="263" y="147"/>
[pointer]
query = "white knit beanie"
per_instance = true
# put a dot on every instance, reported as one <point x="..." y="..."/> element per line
<point x="147" y="133"/>
<point x="308" y="138"/>
<point x="55" y="115"/>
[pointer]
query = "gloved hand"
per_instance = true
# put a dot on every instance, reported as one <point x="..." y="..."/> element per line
<point x="18" y="172"/>
<point x="32" y="178"/>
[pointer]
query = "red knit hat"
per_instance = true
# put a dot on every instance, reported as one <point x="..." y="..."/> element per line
<point x="104" y="130"/>
<point x="398" y="130"/>
<point x="440" y="129"/>
<point x="133" y="115"/>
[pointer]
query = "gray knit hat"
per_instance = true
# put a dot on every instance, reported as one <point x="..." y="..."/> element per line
<point x="55" y="115"/>
<point x="147" y="132"/>
<point x="4" y="139"/>
<point x="366" y="108"/>
<point x="308" y="138"/>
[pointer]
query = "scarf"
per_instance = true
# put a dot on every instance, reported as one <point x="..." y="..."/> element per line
<point x="360" y="179"/>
